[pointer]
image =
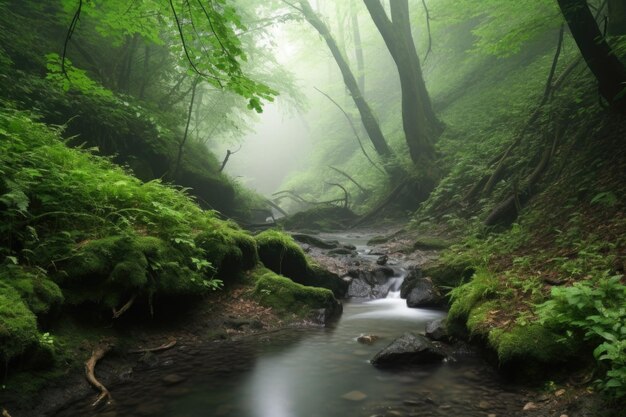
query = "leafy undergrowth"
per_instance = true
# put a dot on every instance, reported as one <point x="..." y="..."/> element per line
<point x="551" y="289"/>
<point x="80" y="236"/>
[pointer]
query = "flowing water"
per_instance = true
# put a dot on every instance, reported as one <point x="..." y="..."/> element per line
<point x="319" y="372"/>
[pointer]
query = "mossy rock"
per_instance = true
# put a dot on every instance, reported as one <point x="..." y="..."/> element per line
<point x="18" y="324"/>
<point x="108" y="271"/>
<point x="449" y="273"/>
<point x="42" y="295"/>
<point x="286" y="297"/>
<point x="280" y="253"/>
<point x="230" y="251"/>
<point x="323" y="218"/>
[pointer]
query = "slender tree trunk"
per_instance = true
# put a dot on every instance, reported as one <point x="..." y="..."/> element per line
<point x="367" y="116"/>
<point x="418" y="118"/>
<point x="617" y="17"/>
<point x="181" y="144"/>
<point x="145" y="77"/>
<point x="600" y="58"/>
<point x="358" y="48"/>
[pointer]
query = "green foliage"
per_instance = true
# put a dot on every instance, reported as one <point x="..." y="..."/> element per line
<point x="73" y="78"/>
<point x="483" y="286"/>
<point x="594" y="311"/>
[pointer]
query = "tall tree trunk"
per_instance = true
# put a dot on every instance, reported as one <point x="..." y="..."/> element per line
<point x="617" y="17"/>
<point x="358" y="48"/>
<point x="145" y="77"/>
<point x="600" y="58"/>
<point x="418" y="117"/>
<point x="367" y="116"/>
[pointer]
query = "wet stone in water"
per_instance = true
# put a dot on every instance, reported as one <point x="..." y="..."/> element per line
<point x="354" y="396"/>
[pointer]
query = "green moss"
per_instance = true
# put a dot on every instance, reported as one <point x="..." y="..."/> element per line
<point x="448" y="271"/>
<point x="39" y="292"/>
<point x="280" y="253"/>
<point x="18" y="324"/>
<point x="287" y="297"/>
<point x="477" y="318"/>
<point x="532" y="345"/>
<point x="229" y="250"/>
<point x="466" y="297"/>
<point x="430" y="243"/>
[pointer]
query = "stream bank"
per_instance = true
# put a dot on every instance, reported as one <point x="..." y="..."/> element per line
<point x="237" y="359"/>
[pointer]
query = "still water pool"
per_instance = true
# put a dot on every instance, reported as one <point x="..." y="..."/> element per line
<point x="319" y="372"/>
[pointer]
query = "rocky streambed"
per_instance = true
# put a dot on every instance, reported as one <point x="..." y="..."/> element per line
<point x="374" y="361"/>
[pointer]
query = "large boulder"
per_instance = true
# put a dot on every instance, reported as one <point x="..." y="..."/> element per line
<point x="409" y="349"/>
<point x="370" y="284"/>
<point x="280" y="253"/>
<point x="424" y="295"/>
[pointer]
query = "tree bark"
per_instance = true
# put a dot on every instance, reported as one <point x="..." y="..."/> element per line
<point x="358" y="48"/>
<point x="600" y="58"/>
<point x="617" y="17"/>
<point x="367" y="116"/>
<point x="181" y="145"/>
<point x="418" y="118"/>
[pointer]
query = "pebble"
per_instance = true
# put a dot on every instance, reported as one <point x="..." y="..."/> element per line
<point x="484" y="405"/>
<point x="559" y="392"/>
<point x="491" y="415"/>
<point x="530" y="406"/>
<point x="412" y="403"/>
<point x="354" y="396"/>
<point x="172" y="379"/>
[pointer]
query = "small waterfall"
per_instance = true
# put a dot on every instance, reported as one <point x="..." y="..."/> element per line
<point x="395" y="283"/>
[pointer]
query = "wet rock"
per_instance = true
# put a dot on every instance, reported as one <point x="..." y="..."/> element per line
<point x="424" y="294"/>
<point x="410" y="348"/>
<point x="172" y="379"/>
<point x="370" y="285"/>
<point x="367" y="339"/>
<point x="326" y="315"/>
<point x="382" y="260"/>
<point x="354" y="396"/>
<point x="315" y="241"/>
<point x="341" y="251"/>
<point x="436" y="330"/>
<point x="382" y="273"/>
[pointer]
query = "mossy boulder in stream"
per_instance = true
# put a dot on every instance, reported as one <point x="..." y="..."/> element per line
<point x="280" y="253"/>
<point x="286" y="297"/>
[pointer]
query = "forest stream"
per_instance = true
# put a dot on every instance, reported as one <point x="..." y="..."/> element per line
<point x="314" y="372"/>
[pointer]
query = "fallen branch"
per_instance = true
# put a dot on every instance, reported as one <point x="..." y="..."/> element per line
<point x="356" y="134"/>
<point x="364" y="190"/>
<point x="345" y="193"/>
<point x="430" y="36"/>
<point x="97" y="354"/>
<point x="165" y="346"/>
<point x="5" y="413"/>
<point x="124" y="308"/>
<point x="277" y="207"/>
<point x="228" y="154"/>
<point x="391" y="197"/>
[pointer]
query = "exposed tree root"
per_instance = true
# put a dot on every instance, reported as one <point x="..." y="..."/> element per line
<point x="345" y="193"/>
<point x="391" y="197"/>
<point x="5" y="413"/>
<point x="124" y="308"/>
<point x="507" y="211"/>
<point x="165" y="346"/>
<point x="97" y="354"/>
